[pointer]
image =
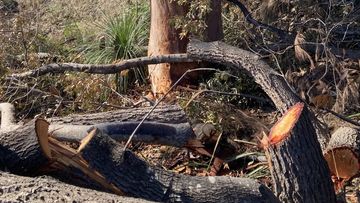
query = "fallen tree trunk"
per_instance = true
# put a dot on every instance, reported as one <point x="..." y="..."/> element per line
<point x="171" y="126"/>
<point x="47" y="189"/>
<point x="176" y="135"/>
<point x="20" y="152"/>
<point x="107" y="162"/>
<point x="104" y="158"/>
<point x="163" y="114"/>
<point x="303" y="173"/>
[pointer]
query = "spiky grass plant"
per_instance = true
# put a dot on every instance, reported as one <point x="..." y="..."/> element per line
<point x="121" y="37"/>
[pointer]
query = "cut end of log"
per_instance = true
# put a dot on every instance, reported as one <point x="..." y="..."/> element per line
<point x="343" y="162"/>
<point x="342" y="153"/>
<point x="42" y="129"/>
<point x="87" y="139"/>
<point x="282" y="129"/>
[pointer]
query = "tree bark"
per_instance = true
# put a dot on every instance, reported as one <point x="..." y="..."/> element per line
<point x="172" y="114"/>
<point x="104" y="157"/>
<point x="165" y="39"/>
<point x="135" y="177"/>
<point x="20" y="152"/>
<point x="56" y="68"/>
<point x="298" y="164"/>
<point x="166" y="125"/>
<point x="47" y="189"/>
<point x="149" y="132"/>
<point x="172" y="128"/>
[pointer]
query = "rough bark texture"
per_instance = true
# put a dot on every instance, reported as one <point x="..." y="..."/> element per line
<point x="20" y="152"/>
<point x="343" y="152"/>
<point x="149" y="132"/>
<point x="47" y="189"/>
<point x="163" y="114"/>
<point x="164" y="39"/>
<point x="166" y="125"/>
<point x="299" y="168"/>
<point x="136" y="178"/>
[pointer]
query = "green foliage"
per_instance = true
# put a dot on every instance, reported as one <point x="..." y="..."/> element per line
<point x="121" y="37"/>
<point x="225" y="82"/>
<point x="194" y="20"/>
<point x="72" y="32"/>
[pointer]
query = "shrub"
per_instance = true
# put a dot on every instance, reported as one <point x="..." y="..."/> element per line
<point x="121" y="37"/>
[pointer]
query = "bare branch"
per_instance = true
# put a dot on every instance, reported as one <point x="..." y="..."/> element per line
<point x="281" y="33"/>
<point x="103" y="68"/>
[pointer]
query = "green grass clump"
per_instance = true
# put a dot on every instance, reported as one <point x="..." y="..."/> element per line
<point x="121" y="37"/>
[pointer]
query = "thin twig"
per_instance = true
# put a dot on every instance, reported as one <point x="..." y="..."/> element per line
<point x="281" y="33"/>
<point x="214" y="151"/>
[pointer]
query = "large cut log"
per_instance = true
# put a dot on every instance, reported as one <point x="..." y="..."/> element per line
<point x="20" y="151"/>
<point x="135" y="177"/>
<point x="176" y="135"/>
<point x="105" y="159"/>
<point x="343" y="153"/>
<point x="298" y="166"/>
<point x="47" y="189"/>
<point x="163" y="114"/>
<point x="167" y="125"/>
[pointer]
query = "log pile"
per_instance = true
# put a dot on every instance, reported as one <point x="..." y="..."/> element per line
<point x="31" y="149"/>
<point x="296" y="160"/>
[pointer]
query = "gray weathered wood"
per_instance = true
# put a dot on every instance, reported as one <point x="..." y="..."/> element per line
<point x="149" y="132"/>
<point x="163" y="114"/>
<point x="47" y="189"/>
<point x="136" y="178"/>
<point x="20" y="152"/>
<point x="166" y="125"/>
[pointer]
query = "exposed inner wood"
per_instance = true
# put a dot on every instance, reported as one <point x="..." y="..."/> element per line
<point x="343" y="163"/>
<point x="343" y="152"/>
<point x="68" y="157"/>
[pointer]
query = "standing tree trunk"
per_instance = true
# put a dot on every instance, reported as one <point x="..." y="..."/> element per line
<point x="164" y="39"/>
<point x="214" y="29"/>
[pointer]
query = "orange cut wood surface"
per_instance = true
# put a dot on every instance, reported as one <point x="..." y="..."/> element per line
<point x="283" y="127"/>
